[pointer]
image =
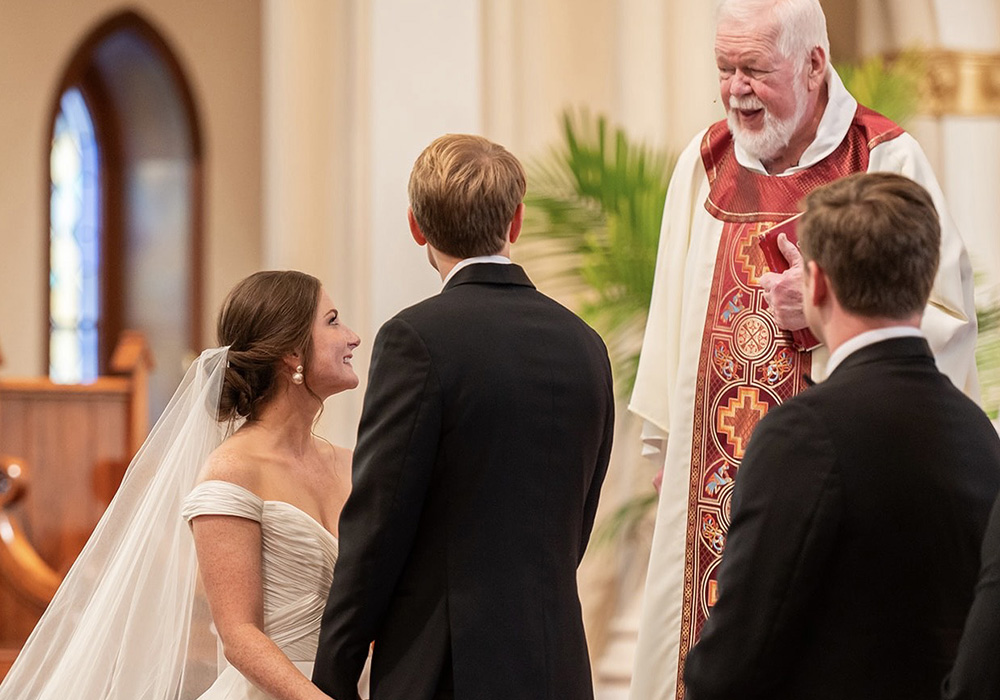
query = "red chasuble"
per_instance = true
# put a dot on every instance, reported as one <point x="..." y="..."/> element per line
<point x="747" y="365"/>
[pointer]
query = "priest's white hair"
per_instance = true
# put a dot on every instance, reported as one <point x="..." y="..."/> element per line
<point x="801" y="23"/>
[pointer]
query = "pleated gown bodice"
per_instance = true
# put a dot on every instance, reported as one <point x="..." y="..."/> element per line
<point x="298" y="557"/>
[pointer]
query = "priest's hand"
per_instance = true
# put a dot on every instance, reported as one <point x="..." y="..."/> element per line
<point x="783" y="292"/>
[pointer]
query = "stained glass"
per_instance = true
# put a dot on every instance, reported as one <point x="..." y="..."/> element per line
<point x="74" y="310"/>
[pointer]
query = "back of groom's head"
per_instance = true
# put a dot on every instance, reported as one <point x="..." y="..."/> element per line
<point x="464" y="190"/>
<point x="877" y="238"/>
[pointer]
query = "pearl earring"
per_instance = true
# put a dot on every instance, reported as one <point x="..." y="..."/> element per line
<point x="297" y="377"/>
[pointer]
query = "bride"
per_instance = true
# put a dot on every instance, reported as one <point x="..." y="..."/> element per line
<point x="147" y="607"/>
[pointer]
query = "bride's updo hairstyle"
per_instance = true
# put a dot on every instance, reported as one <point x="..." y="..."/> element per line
<point x="266" y="316"/>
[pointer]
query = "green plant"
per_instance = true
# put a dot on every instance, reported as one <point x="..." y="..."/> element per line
<point x="988" y="356"/>
<point x="593" y="206"/>
<point x="890" y="87"/>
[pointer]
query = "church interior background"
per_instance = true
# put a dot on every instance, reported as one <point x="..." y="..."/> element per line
<point x="234" y="135"/>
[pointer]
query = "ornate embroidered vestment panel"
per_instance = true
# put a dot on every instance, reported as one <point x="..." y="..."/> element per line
<point x="747" y="365"/>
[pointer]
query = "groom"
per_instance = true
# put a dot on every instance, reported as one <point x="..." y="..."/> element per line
<point x="483" y="443"/>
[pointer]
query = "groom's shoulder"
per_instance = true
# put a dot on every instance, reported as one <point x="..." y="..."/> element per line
<point x="483" y="302"/>
<point x="459" y="320"/>
<point x="421" y="312"/>
<point x="417" y="321"/>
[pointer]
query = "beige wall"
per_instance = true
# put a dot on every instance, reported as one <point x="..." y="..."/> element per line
<point x="219" y="50"/>
<point x="336" y="97"/>
<point x="646" y="64"/>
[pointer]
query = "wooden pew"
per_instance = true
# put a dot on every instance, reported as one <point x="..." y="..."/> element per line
<point x="27" y="582"/>
<point x="69" y="447"/>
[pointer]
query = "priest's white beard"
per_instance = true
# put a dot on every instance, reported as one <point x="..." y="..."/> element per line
<point x="766" y="144"/>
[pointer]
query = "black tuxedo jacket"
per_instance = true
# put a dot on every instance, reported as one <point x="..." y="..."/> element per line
<point x="976" y="675"/>
<point x="484" y="440"/>
<point x="853" y="551"/>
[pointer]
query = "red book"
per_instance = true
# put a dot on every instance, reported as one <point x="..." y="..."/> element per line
<point x="803" y="339"/>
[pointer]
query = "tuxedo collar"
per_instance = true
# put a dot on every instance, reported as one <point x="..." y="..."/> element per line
<point x="490" y="273"/>
<point x="866" y="338"/>
<point x="893" y="349"/>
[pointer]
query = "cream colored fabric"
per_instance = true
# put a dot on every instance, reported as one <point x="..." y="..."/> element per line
<point x="665" y="384"/>
<point x="297" y="567"/>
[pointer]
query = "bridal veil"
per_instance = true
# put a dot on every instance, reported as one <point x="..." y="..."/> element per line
<point x="128" y="621"/>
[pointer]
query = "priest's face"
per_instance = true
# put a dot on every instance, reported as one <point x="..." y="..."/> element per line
<point x="766" y="95"/>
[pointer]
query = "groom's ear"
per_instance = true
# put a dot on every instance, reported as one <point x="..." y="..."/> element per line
<point x="515" y="225"/>
<point x="415" y="231"/>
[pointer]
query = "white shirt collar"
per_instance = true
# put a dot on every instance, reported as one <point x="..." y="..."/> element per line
<point x="833" y="126"/>
<point x="496" y="259"/>
<point x="863" y="340"/>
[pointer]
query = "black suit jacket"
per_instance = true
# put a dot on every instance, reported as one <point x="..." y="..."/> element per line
<point x="484" y="440"/>
<point x="853" y="551"/>
<point x="976" y="675"/>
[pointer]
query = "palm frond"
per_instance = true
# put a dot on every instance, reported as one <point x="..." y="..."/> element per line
<point x="594" y="202"/>
<point x="988" y="353"/>
<point x="890" y="87"/>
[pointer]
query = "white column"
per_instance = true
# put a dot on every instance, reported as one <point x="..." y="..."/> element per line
<point x="315" y="158"/>
<point x="970" y="146"/>
<point x="691" y="71"/>
<point x="353" y="91"/>
<point x="643" y="77"/>
<point x="426" y="80"/>
<point x="301" y="116"/>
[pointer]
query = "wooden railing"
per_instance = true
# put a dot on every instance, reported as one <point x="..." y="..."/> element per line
<point x="27" y="582"/>
<point x="33" y="580"/>
<point x="72" y="445"/>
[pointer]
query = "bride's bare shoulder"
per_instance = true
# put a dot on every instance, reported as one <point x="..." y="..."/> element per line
<point x="237" y="461"/>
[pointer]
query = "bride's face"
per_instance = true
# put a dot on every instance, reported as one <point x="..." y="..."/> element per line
<point x="329" y="369"/>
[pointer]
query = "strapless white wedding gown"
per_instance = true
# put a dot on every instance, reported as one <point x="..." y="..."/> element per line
<point x="298" y="559"/>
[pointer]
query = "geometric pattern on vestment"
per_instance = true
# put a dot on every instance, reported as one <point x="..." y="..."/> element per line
<point x="747" y="365"/>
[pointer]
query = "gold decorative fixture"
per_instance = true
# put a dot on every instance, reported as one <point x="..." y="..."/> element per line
<point x="959" y="83"/>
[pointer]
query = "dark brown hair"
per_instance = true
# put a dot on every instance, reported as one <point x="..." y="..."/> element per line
<point x="266" y="316"/>
<point x="878" y="239"/>
<point x="464" y="190"/>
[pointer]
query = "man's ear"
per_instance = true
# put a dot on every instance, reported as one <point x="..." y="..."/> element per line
<point x="817" y="67"/>
<point x="817" y="284"/>
<point x="515" y="223"/>
<point x="415" y="231"/>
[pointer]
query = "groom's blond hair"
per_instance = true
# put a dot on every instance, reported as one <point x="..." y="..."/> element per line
<point x="464" y="190"/>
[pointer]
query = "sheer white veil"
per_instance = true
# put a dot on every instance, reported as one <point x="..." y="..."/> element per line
<point x="128" y="621"/>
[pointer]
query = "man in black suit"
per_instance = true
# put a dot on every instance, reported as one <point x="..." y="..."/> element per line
<point x="861" y="503"/>
<point x="484" y="440"/>
<point x="976" y="674"/>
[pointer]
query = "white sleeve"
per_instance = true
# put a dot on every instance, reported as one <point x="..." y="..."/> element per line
<point x="659" y="359"/>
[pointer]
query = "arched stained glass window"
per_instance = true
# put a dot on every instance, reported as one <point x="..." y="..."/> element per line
<point x="74" y="262"/>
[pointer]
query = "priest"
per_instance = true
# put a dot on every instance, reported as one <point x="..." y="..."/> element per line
<point x="718" y="351"/>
